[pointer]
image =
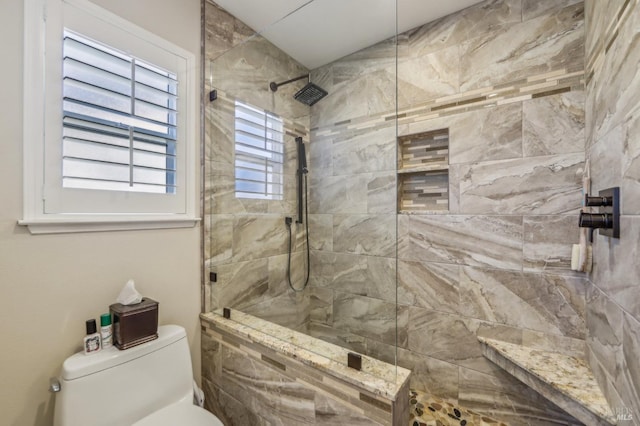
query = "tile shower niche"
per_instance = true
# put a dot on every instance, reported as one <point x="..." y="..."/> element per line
<point x="423" y="172"/>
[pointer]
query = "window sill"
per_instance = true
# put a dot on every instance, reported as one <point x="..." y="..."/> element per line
<point x="71" y="225"/>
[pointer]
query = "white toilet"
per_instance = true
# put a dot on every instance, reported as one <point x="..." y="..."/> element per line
<point x="149" y="384"/>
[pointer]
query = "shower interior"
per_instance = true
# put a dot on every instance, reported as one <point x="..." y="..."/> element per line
<point x="417" y="288"/>
<point x="282" y="248"/>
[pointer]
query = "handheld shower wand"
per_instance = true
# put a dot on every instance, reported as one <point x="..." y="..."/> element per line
<point x="302" y="192"/>
<point x="302" y="172"/>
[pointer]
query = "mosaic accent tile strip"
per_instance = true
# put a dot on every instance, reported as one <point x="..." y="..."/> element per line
<point x="595" y="56"/>
<point x="536" y="86"/>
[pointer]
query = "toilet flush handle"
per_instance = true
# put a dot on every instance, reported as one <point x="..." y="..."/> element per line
<point x="54" y="385"/>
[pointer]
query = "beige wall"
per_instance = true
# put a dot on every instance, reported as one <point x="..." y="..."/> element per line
<point x="50" y="284"/>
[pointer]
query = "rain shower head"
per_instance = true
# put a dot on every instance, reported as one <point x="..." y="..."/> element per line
<point x="308" y="95"/>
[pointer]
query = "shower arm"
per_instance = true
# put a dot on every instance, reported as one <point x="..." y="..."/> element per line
<point x="274" y="86"/>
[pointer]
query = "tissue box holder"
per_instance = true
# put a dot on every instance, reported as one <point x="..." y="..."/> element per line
<point x="134" y="324"/>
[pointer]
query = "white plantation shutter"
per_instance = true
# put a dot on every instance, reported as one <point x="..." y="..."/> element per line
<point x="259" y="153"/>
<point x="119" y="120"/>
<point x="110" y="133"/>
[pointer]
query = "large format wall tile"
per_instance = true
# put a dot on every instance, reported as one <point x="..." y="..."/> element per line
<point x="501" y="395"/>
<point x="222" y="31"/>
<point x="259" y="236"/>
<point x="480" y="135"/>
<point x="369" y="151"/>
<point x="288" y="310"/>
<point x="493" y="241"/>
<point x="606" y="160"/>
<point x="345" y="100"/>
<point x="227" y="408"/>
<point x="604" y="321"/>
<point x="374" y="235"/>
<point x="532" y="47"/>
<point x="487" y="134"/>
<point x="631" y="165"/>
<point x="446" y="337"/>
<point x="429" y="285"/>
<point x="618" y="82"/>
<point x="554" y="304"/>
<point x="342" y="338"/>
<point x="372" y="318"/>
<point x="220" y="239"/>
<point x="537" y="185"/>
<point x="382" y="193"/>
<point x="338" y="194"/>
<point x="427" y="77"/>
<point x="240" y="284"/>
<point x="534" y="8"/>
<point x="321" y="231"/>
<point x="370" y="276"/>
<point x="630" y="374"/>
<point x="282" y="399"/>
<point x="456" y="28"/>
<point x="430" y="374"/>
<point x="616" y="268"/>
<point x="547" y="243"/>
<point x="554" y="124"/>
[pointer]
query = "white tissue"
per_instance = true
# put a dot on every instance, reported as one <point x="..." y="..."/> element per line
<point x="129" y="295"/>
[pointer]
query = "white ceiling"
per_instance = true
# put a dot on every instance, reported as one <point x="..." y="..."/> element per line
<point x="316" y="32"/>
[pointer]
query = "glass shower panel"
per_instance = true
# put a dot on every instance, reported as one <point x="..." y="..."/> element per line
<point x="310" y="245"/>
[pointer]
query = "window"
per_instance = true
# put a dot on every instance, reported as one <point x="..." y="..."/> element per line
<point x="109" y="123"/>
<point x="119" y="120"/>
<point x="259" y="152"/>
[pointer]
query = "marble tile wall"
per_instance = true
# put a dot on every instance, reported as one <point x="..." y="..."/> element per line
<point x="246" y="240"/>
<point x="510" y="80"/>
<point x="506" y="77"/>
<point x="612" y="124"/>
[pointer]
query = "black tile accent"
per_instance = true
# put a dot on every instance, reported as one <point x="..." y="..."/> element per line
<point x="378" y="404"/>
<point x="273" y="362"/>
<point x="472" y="101"/>
<point x="613" y="38"/>
<point x="550" y="92"/>
<point x="354" y="361"/>
<point x="436" y="108"/>
<point x="623" y="8"/>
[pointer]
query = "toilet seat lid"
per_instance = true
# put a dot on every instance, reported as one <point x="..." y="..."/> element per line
<point x="180" y="414"/>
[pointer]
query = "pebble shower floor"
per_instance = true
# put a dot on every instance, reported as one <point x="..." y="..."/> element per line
<point x="426" y="410"/>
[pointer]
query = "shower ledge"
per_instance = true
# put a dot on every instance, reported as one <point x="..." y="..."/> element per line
<point x="565" y="380"/>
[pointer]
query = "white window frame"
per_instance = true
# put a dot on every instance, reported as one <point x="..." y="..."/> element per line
<point x="50" y="208"/>
<point x="258" y="154"/>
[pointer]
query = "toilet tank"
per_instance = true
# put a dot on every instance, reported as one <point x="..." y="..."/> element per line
<point x="114" y="387"/>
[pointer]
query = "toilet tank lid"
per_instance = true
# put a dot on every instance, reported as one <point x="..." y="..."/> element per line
<point x="80" y="365"/>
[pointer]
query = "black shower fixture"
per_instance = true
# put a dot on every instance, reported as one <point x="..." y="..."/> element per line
<point x="308" y="95"/>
